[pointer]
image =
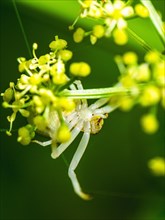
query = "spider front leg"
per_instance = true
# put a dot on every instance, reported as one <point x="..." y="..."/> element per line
<point x="75" y="161"/>
<point x="57" y="151"/>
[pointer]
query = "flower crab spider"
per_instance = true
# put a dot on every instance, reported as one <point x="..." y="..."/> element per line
<point x="88" y="119"/>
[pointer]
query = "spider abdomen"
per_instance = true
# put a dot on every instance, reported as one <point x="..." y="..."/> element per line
<point x="96" y="124"/>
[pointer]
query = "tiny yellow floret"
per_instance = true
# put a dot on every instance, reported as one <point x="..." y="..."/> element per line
<point x="149" y="123"/>
<point x="120" y="36"/>
<point x="80" y="69"/>
<point x="65" y="55"/>
<point x="141" y="11"/>
<point x="40" y="122"/>
<point x="35" y="79"/>
<point x="152" y="57"/>
<point x="157" y="166"/>
<point x="58" y="44"/>
<point x="43" y="59"/>
<point x="87" y="3"/>
<point x="8" y="95"/>
<point x="126" y="103"/>
<point x="24" y="136"/>
<point x="130" y="58"/>
<point x="35" y="46"/>
<point x="66" y="104"/>
<point x="63" y="134"/>
<point x="60" y="78"/>
<point x="143" y="73"/>
<point x="98" y="31"/>
<point x="151" y="95"/>
<point x="78" y="35"/>
<point x="159" y="72"/>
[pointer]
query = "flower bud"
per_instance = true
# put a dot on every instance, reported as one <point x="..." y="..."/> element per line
<point x="80" y="69"/>
<point x="63" y="134"/>
<point x="8" y="95"/>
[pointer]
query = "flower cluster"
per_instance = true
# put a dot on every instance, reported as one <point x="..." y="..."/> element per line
<point x="111" y="19"/>
<point x="37" y="93"/>
<point x="146" y="83"/>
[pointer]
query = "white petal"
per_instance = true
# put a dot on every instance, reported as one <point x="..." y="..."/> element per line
<point x="109" y="8"/>
<point x="121" y="23"/>
<point x="118" y="4"/>
<point x="127" y="11"/>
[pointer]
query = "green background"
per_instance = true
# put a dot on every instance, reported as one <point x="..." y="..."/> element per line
<point x="114" y="167"/>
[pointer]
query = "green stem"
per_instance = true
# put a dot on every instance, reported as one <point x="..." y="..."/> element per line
<point x="95" y="93"/>
<point x="155" y="18"/>
<point x="22" y="28"/>
<point x="67" y="84"/>
<point x="139" y="40"/>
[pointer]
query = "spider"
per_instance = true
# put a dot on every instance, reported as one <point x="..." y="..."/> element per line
<point x="89" y="120"/>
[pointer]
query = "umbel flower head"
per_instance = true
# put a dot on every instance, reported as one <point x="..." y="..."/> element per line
<point x="147" y="85"/>
<point x="37" y="93"/>
<point x="110" y="18"/>
<point x="38" y="96"/>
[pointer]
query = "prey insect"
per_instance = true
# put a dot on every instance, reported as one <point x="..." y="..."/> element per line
<point x="89" y="120"/>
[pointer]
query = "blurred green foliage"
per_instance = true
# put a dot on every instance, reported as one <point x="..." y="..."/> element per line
<point x="114" y="167"/>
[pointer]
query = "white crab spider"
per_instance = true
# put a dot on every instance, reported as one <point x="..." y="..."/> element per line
<point x="88" y="119"/>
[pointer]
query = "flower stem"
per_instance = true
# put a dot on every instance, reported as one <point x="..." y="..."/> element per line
<point x="139" y="40"/>
<point x="95" y="93"/>
<point x="22" y="28"/>
<point x="155" y="18"/>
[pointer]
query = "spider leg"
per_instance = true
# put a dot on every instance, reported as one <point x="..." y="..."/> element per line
<point x="98" y="103"/>
<point x="106" y="109"/>
<point x="76" y="159"/>
<point x="57" y="151"/>
<point x="80" y="103"/>
<point x="80" y="87"/>
<point x="70" y="116"/>
<point x="45" y="143"/>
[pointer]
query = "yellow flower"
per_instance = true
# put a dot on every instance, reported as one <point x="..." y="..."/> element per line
<point x="152" y="57"/>
<point x="58" y="44"/>
<point x="141" y="10"/>
<point x="8" y="95"/>
<point x="40" y="122"/>
<point x="63" y="133"/>
<point x="130" y="58"/>
<point x="126" y="103"/>
<point x="78" y="35"/>
<point x="120" y="36"/>
<point x="98" y="31"/>
<point x="149" y="123"/>
<point x="35" y="79"/>
<point x="159" y="72"/>
<point x="65" y="55"/>
<point x="157" y="166"/>
<point x="150" y="96"/>
<point x="80" y="69"/>
<point x="60" y="79"/>
<point x="127" y="81"/>
<point x="66" y="104"/>
<point x="43" y="59"/>
<point x="143" y="73"/>
<point x="25" y="134"/>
